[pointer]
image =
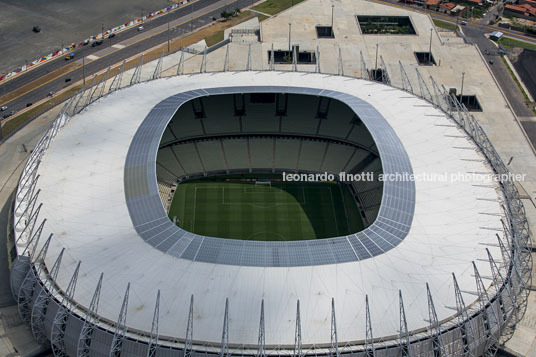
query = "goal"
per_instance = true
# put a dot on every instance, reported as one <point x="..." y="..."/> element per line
<point x="265" y="183"/>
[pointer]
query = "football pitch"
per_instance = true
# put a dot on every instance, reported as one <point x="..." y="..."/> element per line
<point x="283" y="211"/>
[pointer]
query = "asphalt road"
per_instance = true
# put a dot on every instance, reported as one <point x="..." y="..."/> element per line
<point x="117" y="56"/>
<point x="509" y="87"/>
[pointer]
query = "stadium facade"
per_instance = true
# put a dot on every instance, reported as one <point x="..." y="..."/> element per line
<point x="101" y="270"/>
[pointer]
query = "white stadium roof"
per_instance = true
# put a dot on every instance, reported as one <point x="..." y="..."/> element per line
<point x="83" y="194"/>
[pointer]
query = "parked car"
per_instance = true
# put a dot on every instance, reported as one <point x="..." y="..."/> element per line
<point x="112" y="35"/>
<point x="28" y="105"/>
<point x="85" y="43"/>
<point x="96" y="43"/>
<point x="2" y="108"/>
<point x="70" y="56"/>
<point x="67" y="80"/>
<point x="51" y="93"/>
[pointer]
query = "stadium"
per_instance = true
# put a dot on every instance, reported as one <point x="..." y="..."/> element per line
<point x="152" y="219"/>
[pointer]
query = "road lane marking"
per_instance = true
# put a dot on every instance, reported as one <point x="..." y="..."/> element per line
<point x="131" y="44"/>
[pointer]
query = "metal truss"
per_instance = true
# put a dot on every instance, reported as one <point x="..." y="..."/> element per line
<point x="153" y="340"/>
<point x="510" y="309"/>
<point x="25" y="206"/>
<point x="425" y="92"/>
<point x="40" y="306"/>
<point x="57" y="336"/>
<point x="224" y="351"/>
<point x="120" y="327"/>
<point x="463" y="322"/>
<point x="116" y="82"/>
<point x="297" y="333"/>
<point x="406" y="83"/>
<point x="262" y="338"/>
<point x="92" y="87"/>
<point x="226" y="60"/>
<point x="248" y="64"/>
<point x="29" y="176"/>
<point x="439" y="98"/>
<point x="385" y="73"/>
<point x="90" y="322"/>
<point x="27" y="288"/>
<point x="334" y="346"/>
<point x="340" y="68"/>
<point x="83" y="91"/>
<point x="158" y="69"/>
<point x="136" y="76"/>
<point x="99" y="88"/>
<point x="490" y="322"/>
<point x="30" y="225"/>
<point x="317" y="60"/>
<point x="204" y="62"/>
<point x="189" y="330"/>
<point x="22" y="265"/>
<point x="272" y="58"/>
<point x="180" y="66"/>
<point x="403" y="334"/>
<point x="294" y="59"/>
<point x="364" y="70"/>
<point x="435" y="329"/>
<point x="106" y="77"/>
<point x="370" y="350"/>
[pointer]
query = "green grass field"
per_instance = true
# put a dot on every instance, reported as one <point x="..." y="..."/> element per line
<point x="285" y="211"/>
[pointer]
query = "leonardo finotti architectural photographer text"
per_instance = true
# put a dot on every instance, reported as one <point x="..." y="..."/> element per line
<point x="404" y="176"/>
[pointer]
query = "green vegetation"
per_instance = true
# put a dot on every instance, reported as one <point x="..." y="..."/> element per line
<point x="283" y="211"/>
<point x="214" y="38"/>
<point x="262" y="17"/>
<point x="507" y="42"/>
<point x="385" y="25"/>
<point x="214" y="33"/>
<point x="273" y="7"/>
<point x="445" y="25"/>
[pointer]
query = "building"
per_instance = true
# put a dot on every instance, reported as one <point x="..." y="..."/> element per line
<point x="433" y="4"/>
<point x="452" y="8"/>
<point x="496" y="35"/>
<point x="525" y="11"/>
<point x="403" y="285"/>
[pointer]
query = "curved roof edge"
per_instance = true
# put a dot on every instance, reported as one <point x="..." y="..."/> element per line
<point x="153" y="225"/>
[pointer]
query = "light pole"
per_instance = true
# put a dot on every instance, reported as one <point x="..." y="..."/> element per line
<point x="376" y="65"/>
<point x="168" y="36"/>
<point x="84" y="70"/>
<point x="192" y="16"/>
<point x="289" y="27"/>
<point x="461" y="90"/>
<point x="430" y="49"/>
<point x="332" y="8"/>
